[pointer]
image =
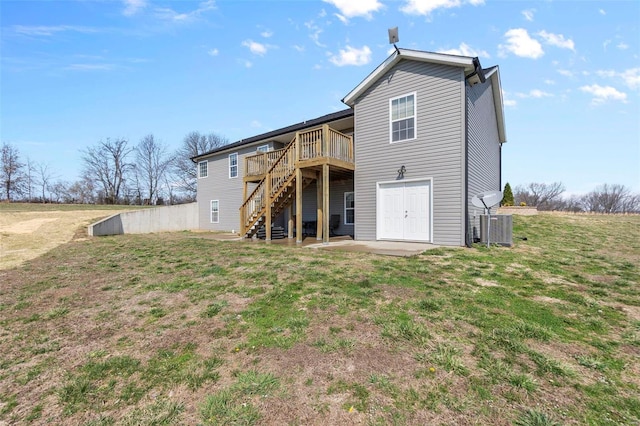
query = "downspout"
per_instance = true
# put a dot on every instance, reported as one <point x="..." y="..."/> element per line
<point x="467" y="236"/>
<point x="500" y="167"/>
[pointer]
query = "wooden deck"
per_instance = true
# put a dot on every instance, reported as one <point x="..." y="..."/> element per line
<point x="282" y="175"/>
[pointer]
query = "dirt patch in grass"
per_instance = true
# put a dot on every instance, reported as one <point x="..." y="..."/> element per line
<point x="25" y="235"/>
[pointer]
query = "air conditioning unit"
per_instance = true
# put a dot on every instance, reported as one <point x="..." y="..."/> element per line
<point x="501" y="229"/>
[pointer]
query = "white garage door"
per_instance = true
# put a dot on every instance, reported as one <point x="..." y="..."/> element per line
<point x="404" y="211"/>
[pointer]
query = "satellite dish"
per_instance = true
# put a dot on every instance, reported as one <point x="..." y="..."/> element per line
<point x="486" y="200"/>
<point x="393" y="35"/>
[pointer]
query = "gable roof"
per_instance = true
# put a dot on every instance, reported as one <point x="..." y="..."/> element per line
<point x="327" y="118"/>
<point x="471" y="65"/>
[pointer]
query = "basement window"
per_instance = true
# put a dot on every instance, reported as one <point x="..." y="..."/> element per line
<point x="215" y="211"/>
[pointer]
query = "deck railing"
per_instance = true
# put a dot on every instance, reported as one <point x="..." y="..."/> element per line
<point x="258" y="164"/>
<point x="338" y="146"/>
<point x="279" y="166"/>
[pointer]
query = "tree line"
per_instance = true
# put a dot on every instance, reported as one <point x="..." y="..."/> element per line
<point x="114" y="171"/>
<point x="606" y="198"/>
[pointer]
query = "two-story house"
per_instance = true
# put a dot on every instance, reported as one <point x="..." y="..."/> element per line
<point x="423" y="134"/>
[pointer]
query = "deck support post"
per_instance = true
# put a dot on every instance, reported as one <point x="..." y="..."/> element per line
<point x="243" y="215"/>
<point x="298" y="205"/>
<point x="267" y="196"/>
<point x="290" y="223"/>
<point x="325" y="203"/>
<point x="319" y="206"/>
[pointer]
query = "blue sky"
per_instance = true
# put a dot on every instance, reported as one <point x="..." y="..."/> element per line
<point x="77" y="72"/>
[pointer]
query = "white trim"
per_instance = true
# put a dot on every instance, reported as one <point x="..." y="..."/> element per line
<point x="415" y="117"/>
<point x="263" y="148"/>
<point x="350" y="208"/>
<point x="207" y="174"/>
<point x="465" y="62"/>
<point x="379" y="209"/>
<point x="237" y="166"/>
<point x="217" y="211"/>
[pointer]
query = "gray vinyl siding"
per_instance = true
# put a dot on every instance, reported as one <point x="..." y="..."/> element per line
<point x="218" y="186"/>
<point x="436" y="152"/>
<point x="336" y="203"/>
<point x="484" y="147"/>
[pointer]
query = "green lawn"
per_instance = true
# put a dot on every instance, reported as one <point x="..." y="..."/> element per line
<point x="179" y="328"/>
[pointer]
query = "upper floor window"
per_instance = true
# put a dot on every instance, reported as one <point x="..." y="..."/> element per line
<point x="263" y="148"/>
<point x="203" y="169"/>
<point x="349" y="208"/>
<point x="233" y="165"/>
<point x="403" y="118"/>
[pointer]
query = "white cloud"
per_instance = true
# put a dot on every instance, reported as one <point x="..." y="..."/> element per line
<point x="50" y="30"/>
<point x="601" y="94"/>
<point x="630" y="77"/>
<point x="528" y="14"/>
<point x="352" y="56"/>
<point x="566" y="73"/>
<point x="255" y="47"/>
<point x="521" y="44"/>
<point x="557" y="40"/>
<point x="606" y="43"/>
<point x="213" y="52"/>
<point x="266" y="33"/>
<point x="298" y="48"/>
<point x="169" y="14"/>
<point x="425" y="7"/>
<point x="465" y="50"/>
<point x="131" y="7"/>
<point x="255" y="124"/>
<point x="352" y="9"/>
<point x="315" y="32"/>
<point x="549" y="82"/>
<point x="342" y="19"/>
<point x="534" y="93"/>
<point x="602" y="12"/>
<point x="507" y="101"/>
<point x="90" y="67"/>
<point x="622" y="45"/>
<point x="245" y="63"/>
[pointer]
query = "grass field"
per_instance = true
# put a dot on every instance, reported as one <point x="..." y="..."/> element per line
<point x="29" y="230"/>
<point x="179" y="328"/>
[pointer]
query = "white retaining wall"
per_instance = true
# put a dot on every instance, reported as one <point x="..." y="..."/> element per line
<point x="182" y="217"/>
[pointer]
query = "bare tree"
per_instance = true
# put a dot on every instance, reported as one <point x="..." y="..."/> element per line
<point x="151" y="166"/>
<point x="610" y="199"/>
<point x="44" y="175"/>
<point x="183" y="168"/>
<point x="82" y="191"/>
<point x="11" y="171"/>
<point x="60" y="192"/>
<point x="541" y="195"/>
<point x="29" y="178"/>
<point x="107" y="164"/>
<point x="631" y="204"/>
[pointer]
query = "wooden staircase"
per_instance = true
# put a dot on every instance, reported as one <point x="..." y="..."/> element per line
<point x="277" y="189"/>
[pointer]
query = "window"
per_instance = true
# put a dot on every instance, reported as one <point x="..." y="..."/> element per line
<point x="233" y="165"/>
<point x="349" y="208"/>
<point x="203" y="169"/>
<point x="215" y="211"/>
<point x="263" y="148"/>
<point x="403" y="118"/>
